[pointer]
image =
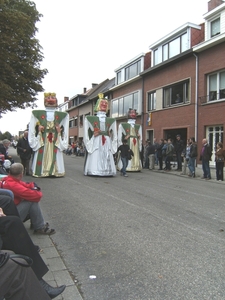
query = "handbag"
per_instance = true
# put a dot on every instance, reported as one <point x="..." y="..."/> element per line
<point x="4" y="257"/>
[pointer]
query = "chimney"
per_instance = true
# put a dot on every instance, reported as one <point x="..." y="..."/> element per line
<point x="66" y="99"/>
<point x="94" y="85"/>
<point x="85" y="90"/>
<point x="213" y="4"/>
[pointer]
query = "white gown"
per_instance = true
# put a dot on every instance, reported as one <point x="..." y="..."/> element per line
<point x="100" y="149"/>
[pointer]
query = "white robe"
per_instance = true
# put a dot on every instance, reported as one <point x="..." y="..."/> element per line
<point x="99" y="160"/>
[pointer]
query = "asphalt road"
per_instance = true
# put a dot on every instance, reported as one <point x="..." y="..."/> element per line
<point x="148" y="236"/>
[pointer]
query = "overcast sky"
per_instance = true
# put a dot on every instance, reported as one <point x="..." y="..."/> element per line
<point x="85" y="41"/>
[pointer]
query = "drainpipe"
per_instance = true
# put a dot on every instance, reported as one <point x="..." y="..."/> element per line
<point x="142" y="113"/>
<point x="196" y="96"/>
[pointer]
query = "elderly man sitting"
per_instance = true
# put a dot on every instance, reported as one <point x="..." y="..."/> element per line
<point x="26" y="197"/>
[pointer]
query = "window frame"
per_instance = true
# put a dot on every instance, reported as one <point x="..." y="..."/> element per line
<point x="133" y="70"/>
<point x="216" y="19"/>
<point x="170" y="93"/>
<point x="120" y="102"/>
<point x="151" y="101"/>
<point x="219" y="93"/>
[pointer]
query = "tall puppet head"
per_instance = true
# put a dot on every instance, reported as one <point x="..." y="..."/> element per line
<point x="132" y="113"/>
<point x="102" y="104"/>
<point x="50" y="100"/>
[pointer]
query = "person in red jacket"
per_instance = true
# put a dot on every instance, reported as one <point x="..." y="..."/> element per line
<point x="26" y="197"/>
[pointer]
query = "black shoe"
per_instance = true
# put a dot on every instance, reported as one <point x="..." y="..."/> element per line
<point x="193" y="174"/>
<point x="53" y="292"/>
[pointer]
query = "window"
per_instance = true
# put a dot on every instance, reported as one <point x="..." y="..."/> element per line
<point x="165" y="52"/>
<point x="133" y="70"/>
<point x="215" y="27"/>
<point x="176" y="94"/>
<point x="81" y="121"/>
<point x="128" y="102"/>
<point x="119" y="79"/>
<point x="216" y="86"/>
<point x="172" y="48"/>
<point x="151" y="101"/>
<point x="156" y="57"/>
<point x="121" y="106"/>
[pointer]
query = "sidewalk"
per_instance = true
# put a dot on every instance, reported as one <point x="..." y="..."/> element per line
<point x="58" y="273"/>
<point x="198" y="173"/>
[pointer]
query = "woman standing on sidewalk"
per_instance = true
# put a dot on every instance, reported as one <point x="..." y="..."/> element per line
<point x="220" y="157"/>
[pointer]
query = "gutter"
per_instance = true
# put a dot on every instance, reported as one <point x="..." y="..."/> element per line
<point x="196" y="96"/>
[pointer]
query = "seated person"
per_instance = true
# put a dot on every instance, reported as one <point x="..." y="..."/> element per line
<point x="14" y="236"/>
<point x="4" y="146"/>
<point x="18" y="282"/>
<point x="26" y="197"/>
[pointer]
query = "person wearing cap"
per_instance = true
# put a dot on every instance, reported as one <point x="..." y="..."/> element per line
<point x="179" y="149"/>
<point x="48" y="137"/>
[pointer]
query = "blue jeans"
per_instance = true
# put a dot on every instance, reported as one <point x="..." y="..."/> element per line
<point x="206" y="169"/>
<point x="33" y="209"/>
<point x="125" y="163"/>
<point x="191" y="164"/>
<point x="7" y="193"/>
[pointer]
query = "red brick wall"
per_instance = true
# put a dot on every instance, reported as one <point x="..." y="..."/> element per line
<point x="127" y="89"/>
<point x="214" y="3"/>
<point x="197" y="36"/>
<point x="211" y="60"/>
<point x="174" y="117"/>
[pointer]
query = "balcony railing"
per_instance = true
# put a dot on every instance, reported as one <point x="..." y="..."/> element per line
<point x="213" y="96"/>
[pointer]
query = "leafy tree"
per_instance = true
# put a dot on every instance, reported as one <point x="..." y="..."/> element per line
<point x="20" y="55"/>
<point x="7" y="135"/>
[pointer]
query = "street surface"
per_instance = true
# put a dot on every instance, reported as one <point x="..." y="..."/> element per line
<point x="150" y="236"/>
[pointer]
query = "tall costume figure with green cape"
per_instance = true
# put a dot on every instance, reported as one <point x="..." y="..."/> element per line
<point x="48" y="137"/>
<point x="100" y="139"/>
<point x="131" y="132"/>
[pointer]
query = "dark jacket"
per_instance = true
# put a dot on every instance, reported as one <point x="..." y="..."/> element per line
<point x="4" y="151"/>
<point x="206" y="153"/>
<point x="124" y="150"/>
<point x="179" y="146"/>
<point x="159" y="150"/>
<point x="193" y="150"/>
<point x="22" y="145"/>
<point x="150" y="149"/>
<point x="169" y="150"/>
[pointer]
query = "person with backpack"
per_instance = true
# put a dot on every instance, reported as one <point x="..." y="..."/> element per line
<point x="192" y="156"/>
<point x="169" y="154"/>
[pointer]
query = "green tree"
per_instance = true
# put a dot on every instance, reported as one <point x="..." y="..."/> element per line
<point x="7" y="135"/>
<point x="20" y="55"/>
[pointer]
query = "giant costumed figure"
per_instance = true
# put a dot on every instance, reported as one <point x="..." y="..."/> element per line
<point x="131" y="132"/>
<point x="100" y="139"/>
<point x="48" y="137"/>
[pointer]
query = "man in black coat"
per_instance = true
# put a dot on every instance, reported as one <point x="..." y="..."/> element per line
<point x="179" y="148"/>
<point x="24" y="151"/>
